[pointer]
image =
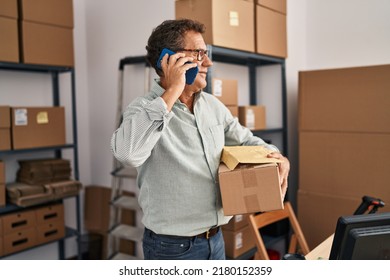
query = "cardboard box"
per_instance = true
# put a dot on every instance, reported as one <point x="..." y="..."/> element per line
<point x="238" y="242"/>
<point x="345" y="164"/>
<point x="64" y="189"/>
<point x="1" y="247"/>
<point x="233" y="110"/>
<point x="2" y="188"/>
<point x="275" y="5"/>
<point x="25" y="195"/>
<point x="58" y="12"/>
<point x="252" y="117"/>
<point x="43" y="171"/>
<point x="34" y="127"/>
<point x="50" y="214"/>
<point x="99" y="218"/>
<point x="19" y="241"/>
<point x="5" y="139"/>
<point x="46" y="44"/>
<point x="229" y="23"/>
<point x="236" y="223"/>
<point x="97" y="209"/>
<point x="271" y="32"/>
<point x="2" y="195"/>
<point x="9" y="47"/>
<point x="18" y="221"/>
<point x="353" y="99"/>
<point x="5" y="116"/>
<point x="9" y="8"/>
<point x="249" y="181"/>
<point x="225" y="90"/>
<point x="5" y="130"/>
<point x="318" y="214"/>
<point x="50" y="231"/>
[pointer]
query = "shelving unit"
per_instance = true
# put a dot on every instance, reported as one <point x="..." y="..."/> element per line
<point x="54" y="72"/>
<point x="254" y="61"/>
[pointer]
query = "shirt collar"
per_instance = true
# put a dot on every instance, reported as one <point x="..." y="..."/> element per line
<point x="158" y="90"/>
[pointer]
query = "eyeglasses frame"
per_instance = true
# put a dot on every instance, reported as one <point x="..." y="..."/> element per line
<point x="199" y="57"/>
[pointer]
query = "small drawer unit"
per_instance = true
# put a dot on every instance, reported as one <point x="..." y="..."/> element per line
<point x="50" y="232"/>
<point x="19" y="240"/>
<point x="18" y="221"/>
<point x="50" y="214"/>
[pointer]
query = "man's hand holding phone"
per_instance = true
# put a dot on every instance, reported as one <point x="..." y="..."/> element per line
<point x="180" y="63"/>
<point x="175" y="67"/>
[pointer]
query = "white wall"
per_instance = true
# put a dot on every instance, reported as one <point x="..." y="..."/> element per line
<point x="115" y="29"/>
<point x="347" y="33"/>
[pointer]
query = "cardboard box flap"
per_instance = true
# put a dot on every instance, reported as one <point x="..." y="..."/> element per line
<point x="235" y="155"/>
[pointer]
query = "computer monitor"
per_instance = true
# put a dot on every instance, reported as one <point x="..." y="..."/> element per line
<point x="362" y="237"/>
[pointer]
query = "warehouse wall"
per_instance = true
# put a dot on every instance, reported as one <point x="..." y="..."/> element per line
<point x="347" y="33"/>
<point x="115" y="29"/>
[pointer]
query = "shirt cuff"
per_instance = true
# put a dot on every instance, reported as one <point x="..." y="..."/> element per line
<point x="157" y="110"/>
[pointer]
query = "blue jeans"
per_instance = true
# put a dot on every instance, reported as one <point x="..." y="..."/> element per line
<point x="163" y="247"/>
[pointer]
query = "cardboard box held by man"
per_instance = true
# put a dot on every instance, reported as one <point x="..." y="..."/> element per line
<point x="249" y="181"/>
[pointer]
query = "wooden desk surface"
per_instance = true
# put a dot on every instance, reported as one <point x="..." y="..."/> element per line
<point x="322" y="251"/>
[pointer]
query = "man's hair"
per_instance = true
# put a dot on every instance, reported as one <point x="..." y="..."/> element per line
<point x="169" y="34"/>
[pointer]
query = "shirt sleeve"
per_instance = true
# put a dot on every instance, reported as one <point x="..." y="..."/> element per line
<point x="142" y="126"/>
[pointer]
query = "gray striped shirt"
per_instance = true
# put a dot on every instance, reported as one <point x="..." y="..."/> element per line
<point x="177" y="155"/>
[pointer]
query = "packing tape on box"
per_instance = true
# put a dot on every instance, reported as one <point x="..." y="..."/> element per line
<point x="251" y="203"/>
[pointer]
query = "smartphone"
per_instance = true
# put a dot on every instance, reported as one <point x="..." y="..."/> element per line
<point x="190" y="74"/>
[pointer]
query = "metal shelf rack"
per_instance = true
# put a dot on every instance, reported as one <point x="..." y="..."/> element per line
<point x="55" y="72"/>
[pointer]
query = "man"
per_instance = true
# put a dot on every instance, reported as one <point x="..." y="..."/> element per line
<point x="174" y="136"/>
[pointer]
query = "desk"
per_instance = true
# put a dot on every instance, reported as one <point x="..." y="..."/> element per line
<point x="322" y="251"/>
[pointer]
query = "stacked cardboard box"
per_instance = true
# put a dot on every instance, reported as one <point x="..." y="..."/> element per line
<point x="25" y="229"/>
<point x="42" y="171"/>
<point x="252" y="117"/>
<point x="227" y="92"/>
<point x="344" y="144"/>
<point x="1" y="237"/>
<point x="46" y="32"/>
<point x="5" y="130"/>
<point x="229" y="23"/>
<point x="99" y="218"/>
<point x="9" y="47"/>
<point x="248" y="25"/>
<point x="27" y="195"/>
<point x="238" y="236"/>
<point x="2" y="184"/>
<point x="42" y="180"/>
<point x="34" y="127"/>
<point x="271" y="27"/>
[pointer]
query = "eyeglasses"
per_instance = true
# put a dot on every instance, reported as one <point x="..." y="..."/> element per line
<point x="198" y="53"/>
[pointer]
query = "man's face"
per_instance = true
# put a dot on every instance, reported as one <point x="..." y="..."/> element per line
<point x="194" y="41"/>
